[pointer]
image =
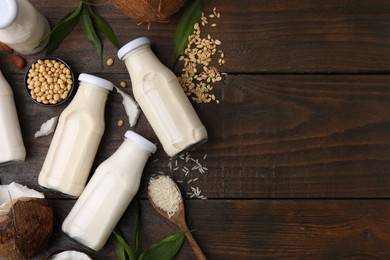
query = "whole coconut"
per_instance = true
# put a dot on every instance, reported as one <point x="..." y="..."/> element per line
<point x="149" y="10"/>
<point x="26" y="222"/>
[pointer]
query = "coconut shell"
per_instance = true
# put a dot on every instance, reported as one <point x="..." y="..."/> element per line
<point x="149" y="10"/>
<point x="25" y="228"/>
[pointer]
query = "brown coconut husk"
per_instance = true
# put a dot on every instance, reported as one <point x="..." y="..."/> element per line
<point x="25" y="227"/>
<point x="149" y="10"/>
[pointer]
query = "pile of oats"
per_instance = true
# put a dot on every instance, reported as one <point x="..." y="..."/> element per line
<point x="198" y="75"/>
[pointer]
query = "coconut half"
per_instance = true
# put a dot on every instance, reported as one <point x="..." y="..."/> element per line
<point x="26" y="222"/>
<point x="149" y="10"/>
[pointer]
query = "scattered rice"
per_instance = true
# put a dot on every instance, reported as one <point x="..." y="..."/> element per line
<point x="195" y="193"/>
<point x="189" y="168"/>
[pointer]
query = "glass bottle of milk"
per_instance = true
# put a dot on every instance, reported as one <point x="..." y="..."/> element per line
<point x="162" y="99"/>
<point x="11" y="141"/>
<point x="108" y="193"/>
<point x="77" y="138"/>
<point x="22" y="27"/>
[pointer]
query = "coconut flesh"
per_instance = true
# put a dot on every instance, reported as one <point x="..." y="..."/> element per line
<point x="26" y="222"/>
<point x="48" y="127"/>
<point x="70" y="254"/>
<point x="149" y="10"/>
<point x="131" y="107"/>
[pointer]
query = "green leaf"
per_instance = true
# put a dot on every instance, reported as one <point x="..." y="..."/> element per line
<point x="166" y="249"/>
<point x="125" y="246"/>
<point x="90" y="31"/>
<point x="61" y="30"/>
<point x="120" y="250"/>
<point x="137" y="234"/>
<point x="185" y="27"/>
<point x="105" y="28"/>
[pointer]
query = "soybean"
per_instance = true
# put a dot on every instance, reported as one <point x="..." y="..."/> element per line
<point x="123" y="84"/>
<point x="110" y="61"/>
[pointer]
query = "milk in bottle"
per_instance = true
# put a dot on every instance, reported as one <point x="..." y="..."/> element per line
<point x="77" y="138"/>
<point x="11" y="141"/>
<point x="108" y="193"/>
<point x="162" y="99"/>
<point x="22" y="27"/>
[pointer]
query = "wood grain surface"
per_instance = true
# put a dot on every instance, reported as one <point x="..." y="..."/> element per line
<point x="263" y="229"/>
<point x="296" y="136"/>
<point x="298" y="155"/>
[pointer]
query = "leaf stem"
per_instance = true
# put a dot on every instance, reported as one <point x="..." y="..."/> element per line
<point x="92" y="24"/>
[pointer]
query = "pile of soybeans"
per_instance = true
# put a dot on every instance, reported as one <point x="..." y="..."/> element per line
<point x="49" y="81"/>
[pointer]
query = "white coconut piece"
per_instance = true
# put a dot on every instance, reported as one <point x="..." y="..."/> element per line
<point x="131" y="107"/>
<point x="48" y="127"/>
<point x="15" y="191"/>
<point x="70" y="255"/>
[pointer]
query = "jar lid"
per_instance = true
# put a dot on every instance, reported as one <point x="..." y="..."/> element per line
<point x="141" y="141"/>
<point x="8" y="12"/>
<point x="100" y="82"/>
<point x="132" y="45"/>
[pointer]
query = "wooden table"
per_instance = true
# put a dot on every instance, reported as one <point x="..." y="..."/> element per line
<point x="298" y="154"/>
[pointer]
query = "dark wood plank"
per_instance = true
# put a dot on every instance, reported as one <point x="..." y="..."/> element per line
<point x="270" y="136"/>
<point x="258" y="36"/>
<point x="262" y="229"/>
<point x="303" y="114"/>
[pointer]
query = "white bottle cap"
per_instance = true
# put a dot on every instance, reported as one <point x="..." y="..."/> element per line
<point x="132" y="45"/>
<point x="96" y="81"/>
<point x="8" y="12"/>
<point x="141" y="141"/>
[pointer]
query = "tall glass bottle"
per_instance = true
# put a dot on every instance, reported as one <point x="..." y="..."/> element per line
<point x="77" y="138"/>
<point x="22" y="27"/>
<point x="162" y="99"/>
<point x="108" y="193"/>
<point x="11" y="141"/>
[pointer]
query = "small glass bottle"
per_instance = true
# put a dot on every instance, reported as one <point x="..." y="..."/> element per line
<point x="162" y="99"/>
<point x="108" y="193"/>
<point x="77" y="138"/>
<point x="22" y="27"/>
<point x="11" y="141"/>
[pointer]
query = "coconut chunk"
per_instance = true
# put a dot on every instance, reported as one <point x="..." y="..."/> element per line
<point x="15" y="191"/>
<point x="69" y="255"/>
<point x="131" y="107"/>
<point x="48" y="127"/>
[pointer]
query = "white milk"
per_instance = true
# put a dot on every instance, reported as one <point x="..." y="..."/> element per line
<point x="11" y="141"/>
<point x="108" y="193"/>
<point x="162" y="99"/>
<point x="22" y="27"/>
<point x="77" y="137"/>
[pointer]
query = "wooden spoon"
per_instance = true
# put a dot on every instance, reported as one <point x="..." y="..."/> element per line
<point x="179" y="219"/>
